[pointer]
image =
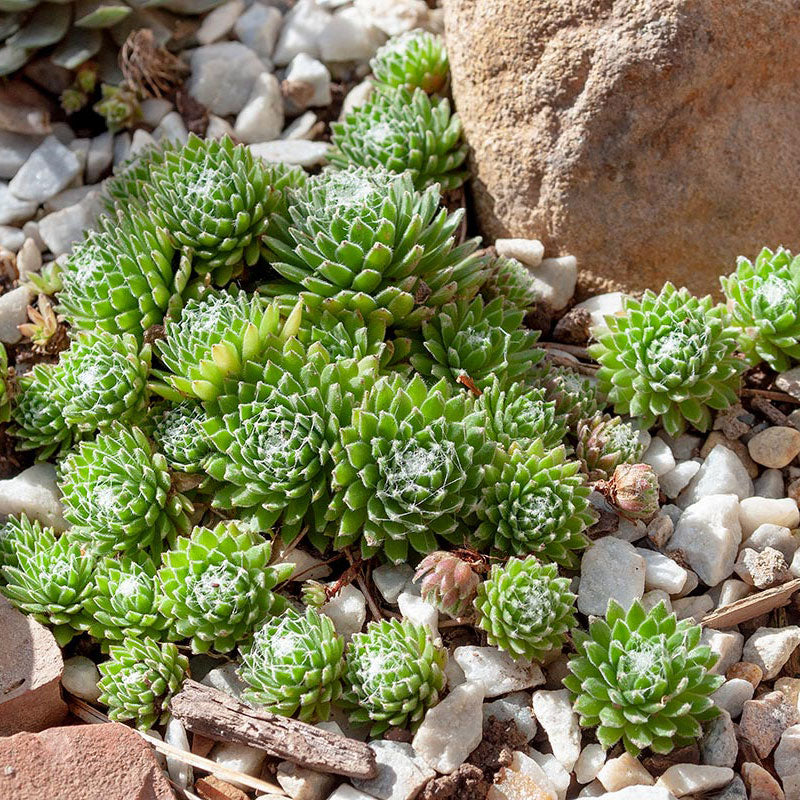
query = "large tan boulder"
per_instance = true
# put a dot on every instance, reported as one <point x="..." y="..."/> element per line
<point x="652" y="139"/>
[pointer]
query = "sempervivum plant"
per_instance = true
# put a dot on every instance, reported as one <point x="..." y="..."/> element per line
<point x="103" y="378"/>
<point x="365" y="240"/>
<point x="643" y="678"/>
<point x="604" y="442"/>
<point x="520" y="415"/>
<point x="513" y="282"/>
<point x="124" y="601"/>
<point x="215" y="199"/>
<point x="37" y="420"/>
<point x="477" y="340"/>
<point x="118" y="496"/>
<point x="416" y="59"/>
<point x="217" y="586"/>
<point x="178" y="433"/>
<point x="52" y="585"/>
<point x="403" y="131"/>
<point x="139" y="679"/>
<point x="215" y="336"/>
<point x="536" y="501"/>
<point x="271" y="433"/>
<point x="632" y="490"/>
<point x="294" y="665"/>
<point x="764" y="305"/>
<point x="21" y="537"/>
<point x="447" y="582"/>
<point x="408" y="467"/>
<point x="394" y="675"/>
<point x="575" y="397"/>
<point x="123" y="277"/>
<point x="668" y="357"/>
<point x="525" y="608"/>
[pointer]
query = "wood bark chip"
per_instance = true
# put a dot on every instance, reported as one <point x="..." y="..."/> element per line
<point x="216" y="715"/>
<point x="750" y="607"/>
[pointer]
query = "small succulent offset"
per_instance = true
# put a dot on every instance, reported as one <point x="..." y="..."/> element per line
<point x="178" y="433"/>
<point x="365" y="240"/>
<point x="668" y="357"/>
<point x="124" y="601"/>
<point x="294" y="665"/>
<point x="525" y="608"/>
<point x="632" y="490"/>
<point x="216" y="586"/>
<point x="403" y="131"/>
<point x="416" y="59"/>
<point x="447" y="582"/>
<point x="513" y="282"/>
<point x="408" y="468"/>
<point x="575" y="397"/>
<point x="604" y="442"/>
<point x="643" y="678"/>
<point x="139" y="679"/>
<point x="535" y="501"/>
<point x="764" y="306"/>
<point x="22" y="537"/>
<point x="119" y="106"/>
<point x="117" y="493"/>
<point x="478" y="340"/>
<point x="52" y="585"/>
<point x="394" y="674"/>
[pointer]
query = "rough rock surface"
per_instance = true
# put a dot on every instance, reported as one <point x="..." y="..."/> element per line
<point x="613" y="131"/>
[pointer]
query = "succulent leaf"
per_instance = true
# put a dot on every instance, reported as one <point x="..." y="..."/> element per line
<point x="416" y="59"/>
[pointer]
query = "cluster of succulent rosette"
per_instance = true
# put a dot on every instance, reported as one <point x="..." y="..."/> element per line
<point x="259" y="355"/>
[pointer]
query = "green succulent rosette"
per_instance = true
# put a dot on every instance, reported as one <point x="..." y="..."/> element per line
<point x="605" y="442"/>
<point x="576" y="397"/>
<point x="513" y="282"/>
<point x="477" y="340"/>
<point x="139" y="679"/>
<point x="294" y="665"/>
<point x="643" y="678"/>
<point x="118" y="496"/>
<point x="178" y="434"/>
<point x="125" y="602"/>
<point x="525" y="608"/>
<point x="668" y="358"/>
<point x="52" y="585"/>
<point x="535" y="501"/>
<point x="408" y="468"/>
<point x="365" y="240"/>
<point x="394" y="675"/>
<point x="217" y="586"/>
<point x="405" y="132"/>
<point x="22" y="537"/>
<point x="764" y="307"/>
<point x="417" y="59"/>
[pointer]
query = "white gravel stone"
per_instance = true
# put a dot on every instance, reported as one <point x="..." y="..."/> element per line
<point x="554" y="769"/>
<point x="787" y="753"/>
<point x="69" y="197"/>
<point x="516" y="707"/>
<point x="732" y="696"/>
<point x="529" y="251"/>
<point x="395" y="16"/>
<point x="721" y="473"/>
<point x="391" y="579"/>
<point x="610" y="568"/>
<point x="347" y="792"/>
<point x="770" y="648"/>
<point x="223" y="76"/>
<point x="775" y="536"/>
<point x="34" y="492"/>
<point x="61" y="229"/>
<point x="13" y="210"/>
<point x="171" y="129"/>
<point x="401" y="772"/>
<point x="589" y="763"/>
<point x="770" y="484"/>
<point x="623" y="771"/>
<point x="514" y="782"/>
<point x="695" y="607"/>
<point x="661" y="572"/>
<point x="226" y="680"/>
<point x="602" y="305"/>
<point x="218" y="127"/>
<point x="99" y="157"/>
<point x="727" y="645"/>
<point x="31" y="231"/>
<point x="50" y="168"/>
<point x="122" y="147"/>
<point x="141" y="141"/>
<point x="293" y="151"/>
<point x="178" y="770"/>
<point x="261" y="120"/>
<point x="630" y="530"/>
<point x="454" y="674"/>
<point x="11" y="238"/>
<point x="13" y="312"/>
<point x="789" y="382"/>
<point x="775" y="447"/>
<point x="756" y="511"/>
<point x="414" y="608"/>
<point x="80" y="678"/>
<point x="15" y="150"/>
<point x="659" y="457"/>
<point x="313" y="72"/>
<point x="676" y="480"/>
<point x="356" y="97"/>
<point x="732" y="590"/>
<point x="220" y="21"/>
<point x="496" y="670"/>
<point x="303" y="784"/>
<point x="719" y="746"/>
<point x="154" y="109"/>
<point x="683" y="779"/>
<point x="348" y="610"/>
<point x="239" y="757"/>
<point x="651" y="599"/>
<point x="452" y="729"/>
<point x="640" y="793"/>
<point x="258" y="28"/>
<point x="555" y="280"/>
<point x="593" y="789"/>
<point x="553" y="711"/>
<point x="300" y="33"/>
<point x="709" y="534"/>
<point x="348" y="36"/>
<point x="301" y="128"/>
